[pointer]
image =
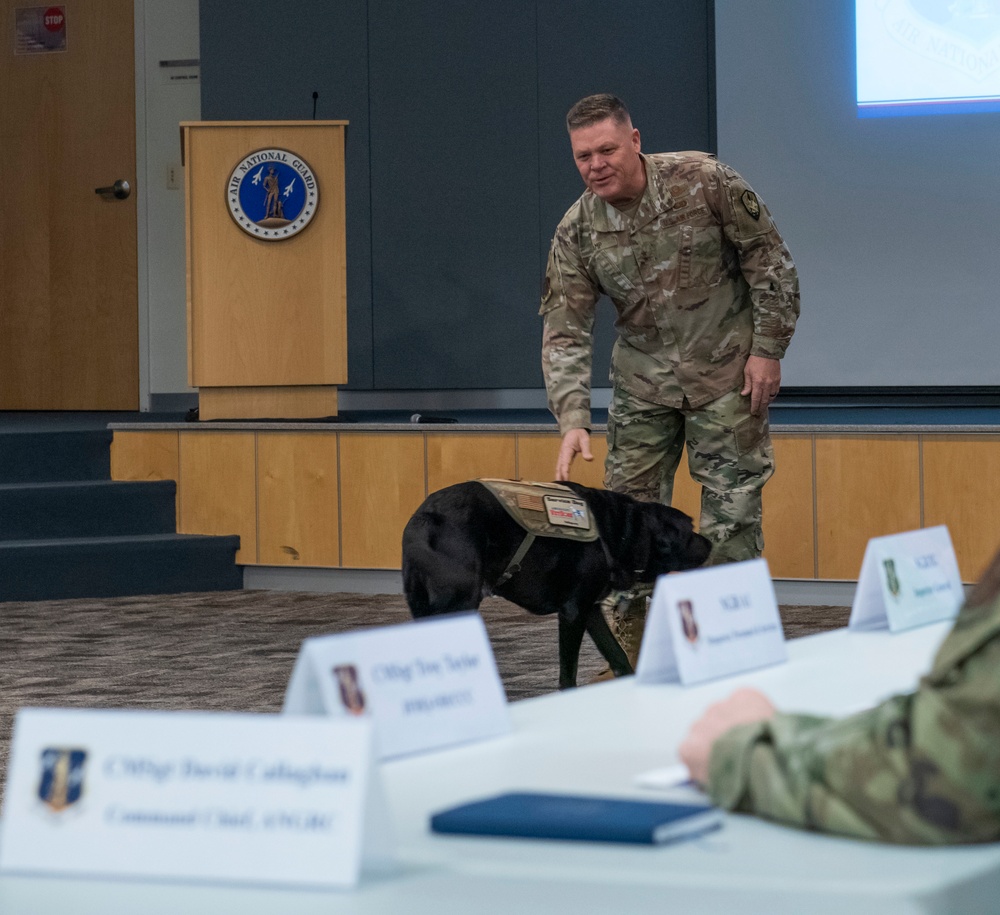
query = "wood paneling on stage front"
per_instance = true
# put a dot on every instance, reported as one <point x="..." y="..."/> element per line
<point x="217" y="488"/>
<point x="537" y="453"/>
<point x="382" y="476"/>
<point x="298" y="505"/>
<point x="145" y="456"/>
<point x="866" y="486"/>
<point x="789" y="518"/>
<point x="962" y="490"/>
<point x="687" y="493"/>
<point x="453" y="457"/>
<point x="341" y="499"/>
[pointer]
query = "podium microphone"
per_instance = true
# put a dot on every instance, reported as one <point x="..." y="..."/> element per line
<point x="315" y="96"/>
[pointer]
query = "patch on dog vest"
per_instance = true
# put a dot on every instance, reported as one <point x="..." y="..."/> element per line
<point x="545" y="509"/>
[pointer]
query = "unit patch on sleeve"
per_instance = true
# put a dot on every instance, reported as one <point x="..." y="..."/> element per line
<point x="751" y="203"/>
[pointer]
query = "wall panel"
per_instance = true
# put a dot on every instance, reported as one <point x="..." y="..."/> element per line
<point x="962" y="490"/>
<point x="383" y="476"/>
<point x="789" y="519"/>
<point x="687" y="493"/>
<point x="217" y="487"/>
<point x="866" y="486"/>
<point x="297" y="497"/>
<point x="453" y="457"/>
<point x="144" y="456"/>
<point x="537" y="454"/>
<point x="454" y="231"/>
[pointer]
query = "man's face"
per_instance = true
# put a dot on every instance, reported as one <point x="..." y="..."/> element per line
<point x="607" y="156"/>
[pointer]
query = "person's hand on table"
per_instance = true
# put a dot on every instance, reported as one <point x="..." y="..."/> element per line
<point x="743" y="707"/>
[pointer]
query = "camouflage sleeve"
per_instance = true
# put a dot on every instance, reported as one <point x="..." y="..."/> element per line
<point x="765" y="261"/>
<point x="568" y="299"/>
<point x="918" y="769"/>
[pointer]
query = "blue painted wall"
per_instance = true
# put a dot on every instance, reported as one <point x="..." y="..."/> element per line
<point x="458" y="164"/>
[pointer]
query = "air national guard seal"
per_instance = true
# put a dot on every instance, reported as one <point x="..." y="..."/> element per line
<point x="272" y="194"/>
<point x="61" y="782"/>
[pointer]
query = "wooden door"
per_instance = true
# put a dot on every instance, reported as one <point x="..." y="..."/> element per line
<point x="68" y="283"/>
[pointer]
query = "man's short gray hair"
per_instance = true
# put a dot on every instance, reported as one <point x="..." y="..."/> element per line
<point x="596" y="108"/>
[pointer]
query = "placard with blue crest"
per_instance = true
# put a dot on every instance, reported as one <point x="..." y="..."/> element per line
<point x="61" y="782"/>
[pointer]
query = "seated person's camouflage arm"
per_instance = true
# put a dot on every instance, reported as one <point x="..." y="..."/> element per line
<point x="918" y="769"/>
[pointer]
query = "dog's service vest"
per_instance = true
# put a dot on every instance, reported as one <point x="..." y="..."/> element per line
<point x="543" y="510"/>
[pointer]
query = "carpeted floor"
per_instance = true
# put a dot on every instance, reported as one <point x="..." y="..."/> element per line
<point x="234" y="650"/>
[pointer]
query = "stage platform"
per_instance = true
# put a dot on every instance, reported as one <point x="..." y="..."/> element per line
<point x="320" y="505"/>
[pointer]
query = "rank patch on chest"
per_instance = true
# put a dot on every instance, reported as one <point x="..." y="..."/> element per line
<point x="567" y="512"/>
<point x="750" y="203"/>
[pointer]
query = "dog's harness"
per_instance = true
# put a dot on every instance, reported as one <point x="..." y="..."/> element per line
<point x="552" y="510"/>
<point x="542" y="510"/>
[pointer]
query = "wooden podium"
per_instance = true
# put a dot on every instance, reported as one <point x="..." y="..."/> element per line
<point x="266" y="281"/>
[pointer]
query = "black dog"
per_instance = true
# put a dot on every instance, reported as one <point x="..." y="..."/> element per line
<point x="459" y="543"/>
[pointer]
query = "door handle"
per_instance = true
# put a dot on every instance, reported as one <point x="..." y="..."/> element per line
<point x="119" y="190"/>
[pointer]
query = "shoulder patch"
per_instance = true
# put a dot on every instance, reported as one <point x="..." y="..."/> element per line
<point x="750" y="203"/>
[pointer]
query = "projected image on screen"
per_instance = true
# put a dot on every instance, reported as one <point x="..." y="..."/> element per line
<point x="927" y="56"/>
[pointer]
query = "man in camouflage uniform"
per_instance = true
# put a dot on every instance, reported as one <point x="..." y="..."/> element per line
<point x="707" y="298"/>
<point x="918" y="769"/>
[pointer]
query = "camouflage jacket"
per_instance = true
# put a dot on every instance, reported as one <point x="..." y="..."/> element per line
<point x="700" y="278"/>
<point x="917" y="769"/>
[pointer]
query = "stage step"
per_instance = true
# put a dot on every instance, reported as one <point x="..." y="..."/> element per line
<point x="117" y="566"/>
<point x="90" y="508"/>
<point x="49" y="457"/>
<point x="68" y="531"/>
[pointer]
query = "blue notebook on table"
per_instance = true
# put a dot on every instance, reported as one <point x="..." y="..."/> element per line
<point x="530" y="815"/>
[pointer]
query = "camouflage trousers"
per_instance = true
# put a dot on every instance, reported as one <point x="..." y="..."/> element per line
<point x="729" y="454"/>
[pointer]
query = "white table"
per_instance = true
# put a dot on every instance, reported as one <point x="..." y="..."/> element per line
<point x="596" y="739"/>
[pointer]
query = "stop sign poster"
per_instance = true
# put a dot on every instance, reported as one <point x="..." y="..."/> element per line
<point x="40" y="29"/>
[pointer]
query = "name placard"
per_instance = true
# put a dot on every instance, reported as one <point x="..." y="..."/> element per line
<point x="426" y="684"/>
<point x="907" y="580"/>
<point x="193" y="796"/>
<point x="711" y="623"/>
